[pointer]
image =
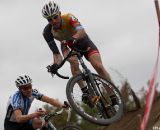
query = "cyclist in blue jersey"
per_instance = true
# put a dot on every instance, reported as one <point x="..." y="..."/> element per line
<point x="17" y="117"/>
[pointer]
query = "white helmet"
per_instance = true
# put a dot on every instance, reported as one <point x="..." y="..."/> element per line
<point x="50" y="9"/>
<point x="23" y="80"/>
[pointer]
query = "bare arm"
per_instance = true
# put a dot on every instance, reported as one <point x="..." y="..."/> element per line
<point x="57" y="58"/>
<point x="24" y="118"/>
<point x="52" y="101"/>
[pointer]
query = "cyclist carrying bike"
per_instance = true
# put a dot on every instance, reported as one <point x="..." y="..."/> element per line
<point x="66" y="27"/>
<point x="17" y="117"/>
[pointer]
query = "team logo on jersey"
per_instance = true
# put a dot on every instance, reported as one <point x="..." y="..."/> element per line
<point x="74" y="18"/>
<point x="35" y="90"/>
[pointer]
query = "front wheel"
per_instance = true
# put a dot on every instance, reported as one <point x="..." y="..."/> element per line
<point x="103" y="112"/>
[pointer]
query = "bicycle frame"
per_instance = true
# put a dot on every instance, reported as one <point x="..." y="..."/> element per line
<point x="85" y="70"/>
<point x="95" y="95"/>
<point x="87" y="73"/>
<point x="52" y="114"/>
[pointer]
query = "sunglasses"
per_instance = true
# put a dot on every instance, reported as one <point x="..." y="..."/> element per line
<point x="52" y="18"/>
<point x="26" y="87"/>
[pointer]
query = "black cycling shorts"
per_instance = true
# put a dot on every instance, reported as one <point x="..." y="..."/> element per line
<point x="17" y="126"/>
<point x="84" y="44"/>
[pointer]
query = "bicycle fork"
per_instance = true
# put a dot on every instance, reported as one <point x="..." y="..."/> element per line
<point x="92" y="88"/>
<point x="93" y="91"/>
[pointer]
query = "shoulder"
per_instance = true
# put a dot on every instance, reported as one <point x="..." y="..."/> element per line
<point x="36" y="94"/>
<point x="47" y="28"/>
<point x="71" y="19"/>
<point x="47" y="32"/>
<point x="16" y="100"/>
<point x="16" y="96"/>
<point x="68" y="16"/>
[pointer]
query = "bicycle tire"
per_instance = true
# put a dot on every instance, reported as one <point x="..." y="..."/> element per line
<point x="72" y="127"/>
<point x="69" y="93"/>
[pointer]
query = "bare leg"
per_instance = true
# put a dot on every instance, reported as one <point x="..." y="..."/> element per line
<point x="96" y="62"/>
<point x="74" y="64"/>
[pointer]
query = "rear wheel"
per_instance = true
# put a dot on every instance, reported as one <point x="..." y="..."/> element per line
<point x="103" y="112"/>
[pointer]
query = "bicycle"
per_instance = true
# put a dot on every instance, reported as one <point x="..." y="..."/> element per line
<point x="69" y="125"/>
<point x="102" y="112"/>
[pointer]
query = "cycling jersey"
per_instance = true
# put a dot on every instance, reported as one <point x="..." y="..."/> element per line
<point x="69" y="26"/>
<point x="21" y="102"/>
<point x="65" y="32"/>
<point x="67" y="29"/>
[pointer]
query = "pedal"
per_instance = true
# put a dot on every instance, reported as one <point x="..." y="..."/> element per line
<point x="95" y="99"/>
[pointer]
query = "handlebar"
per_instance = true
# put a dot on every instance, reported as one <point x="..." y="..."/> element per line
<point x="52" y="114"/>
<point x="49" y="115"/>
<point x="74" y="51"/>
<point x="61" y="76"/>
